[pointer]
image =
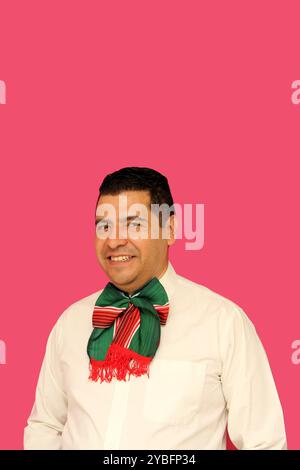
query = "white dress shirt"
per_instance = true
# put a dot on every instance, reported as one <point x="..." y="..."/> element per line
<point x="210" y="370"/>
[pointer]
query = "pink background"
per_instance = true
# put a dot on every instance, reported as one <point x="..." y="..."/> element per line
<point x="200" y="91"/>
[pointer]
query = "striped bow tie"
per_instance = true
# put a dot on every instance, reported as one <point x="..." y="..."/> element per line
<point x="126" y="331"/>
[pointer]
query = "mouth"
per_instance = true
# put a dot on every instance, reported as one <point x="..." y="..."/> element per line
<point x="118" y="260"/>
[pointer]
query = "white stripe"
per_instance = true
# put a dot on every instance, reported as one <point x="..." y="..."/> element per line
<point x="135" y="328"/>
<point x="108" y="308"/>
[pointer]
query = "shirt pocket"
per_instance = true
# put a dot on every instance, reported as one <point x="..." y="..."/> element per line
<point x="173" y="391"/>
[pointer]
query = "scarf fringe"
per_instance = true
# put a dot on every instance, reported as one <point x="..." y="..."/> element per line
<point x="120" y="363"/>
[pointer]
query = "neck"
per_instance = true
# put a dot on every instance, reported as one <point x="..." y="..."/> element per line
<point x="159" y="275"/>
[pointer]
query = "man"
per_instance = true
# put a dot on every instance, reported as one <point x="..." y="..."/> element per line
<point x="153" y="360"/>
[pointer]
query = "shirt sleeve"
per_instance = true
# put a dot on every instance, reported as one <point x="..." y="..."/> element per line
<point x="255" y="417"/>
<point x="48" y="416"/>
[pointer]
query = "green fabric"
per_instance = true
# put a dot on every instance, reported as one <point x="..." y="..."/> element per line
<point x="147" y="337"/>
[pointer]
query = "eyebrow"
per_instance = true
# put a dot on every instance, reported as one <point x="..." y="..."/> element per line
<point x="129" y="218"/>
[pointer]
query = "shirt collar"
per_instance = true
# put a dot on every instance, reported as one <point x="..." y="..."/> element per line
<point x="168" y="279"/>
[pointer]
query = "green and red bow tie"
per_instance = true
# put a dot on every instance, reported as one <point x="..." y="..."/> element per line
<point x="126" y="331"/>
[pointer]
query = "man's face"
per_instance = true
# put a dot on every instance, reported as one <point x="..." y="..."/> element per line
<point x="121" y="230"/>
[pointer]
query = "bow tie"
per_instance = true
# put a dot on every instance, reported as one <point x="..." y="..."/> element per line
<point x="126" y="331"/>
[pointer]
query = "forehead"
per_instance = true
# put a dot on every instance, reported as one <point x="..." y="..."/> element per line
<point x="131" y="197"/>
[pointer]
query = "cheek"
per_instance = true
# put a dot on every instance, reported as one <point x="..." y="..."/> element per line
<point x="99" y="245"/>
<point x="152" y="249"/>
<point x="160" y="248"/>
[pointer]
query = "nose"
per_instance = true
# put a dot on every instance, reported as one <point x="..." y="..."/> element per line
<point x="115" y="242"/>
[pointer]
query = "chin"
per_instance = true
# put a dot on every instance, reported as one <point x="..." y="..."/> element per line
<point x="123" y="286"/>
<point x="122" y="278"/>
<point x="119" y="276"/>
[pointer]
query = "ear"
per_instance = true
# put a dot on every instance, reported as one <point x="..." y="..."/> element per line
<point x="172" y="226"/>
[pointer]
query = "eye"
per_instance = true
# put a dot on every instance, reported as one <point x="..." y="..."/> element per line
<point x="103" y="227"/>
<point x="135" y="224"/>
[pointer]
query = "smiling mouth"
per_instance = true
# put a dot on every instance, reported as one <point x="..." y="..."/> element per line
<point x="120" y="259"/>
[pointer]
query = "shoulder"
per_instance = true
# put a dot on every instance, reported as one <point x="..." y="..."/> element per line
<point x="78" y="311"/>
<point x="210" y="302"/>
<point x="215" y="314"/>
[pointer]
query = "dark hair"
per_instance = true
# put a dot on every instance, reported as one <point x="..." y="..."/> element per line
<point x="137" y="178"/>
